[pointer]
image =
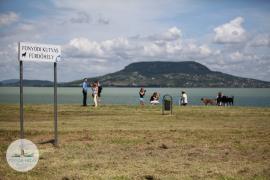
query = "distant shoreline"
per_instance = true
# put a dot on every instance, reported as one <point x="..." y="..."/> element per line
<point x="59" y="86"/>
<point x="128" y="105"/>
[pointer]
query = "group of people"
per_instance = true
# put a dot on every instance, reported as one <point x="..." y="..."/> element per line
<point x="154" y="99"/>
<point x="221" y="100"/>
<point x="96" y="92"/>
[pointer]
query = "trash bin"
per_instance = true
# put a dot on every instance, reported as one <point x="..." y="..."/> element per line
<point x="167" y="103"/>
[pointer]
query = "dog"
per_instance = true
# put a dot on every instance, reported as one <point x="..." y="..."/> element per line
<point x="207" y="101"/>
<point x="227" y="101"/>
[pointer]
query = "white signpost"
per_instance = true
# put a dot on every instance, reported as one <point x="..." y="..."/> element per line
<point x="38" y="53"/>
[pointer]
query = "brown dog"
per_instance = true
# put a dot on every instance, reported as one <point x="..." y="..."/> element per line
<point x="207" y="101"/>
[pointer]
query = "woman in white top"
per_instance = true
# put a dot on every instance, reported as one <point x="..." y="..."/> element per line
<point x="95" y="93"/>
<point x="184" y="99"/>
<point x="154" y="98"/>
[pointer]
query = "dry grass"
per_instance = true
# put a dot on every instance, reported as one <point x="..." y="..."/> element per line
<point x="130" y="142"/>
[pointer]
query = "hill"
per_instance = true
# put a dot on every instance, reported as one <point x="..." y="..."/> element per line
<point x="26" y="82"/>
<point x="172" y="74"/>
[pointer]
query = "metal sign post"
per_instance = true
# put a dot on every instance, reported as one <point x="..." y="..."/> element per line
<point x="55" y="106"/>
<point x="38" y="53"/>
<point x="21" y="101"/>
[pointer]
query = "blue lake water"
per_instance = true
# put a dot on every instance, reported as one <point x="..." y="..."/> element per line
<point x="44" y="95"/>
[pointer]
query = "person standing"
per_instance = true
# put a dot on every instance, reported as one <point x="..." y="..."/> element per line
<point x="84" y="91"/>
<point x="99" y="91"/>
<point x="183" y="99"/>
<point x="219" y="99"/>
<point x="142" y="93"/>
<point x="95" y="93"/>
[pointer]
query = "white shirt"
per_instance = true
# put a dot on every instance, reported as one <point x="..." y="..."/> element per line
<point x="95" y="90"/>
<point x="184" y="98"/>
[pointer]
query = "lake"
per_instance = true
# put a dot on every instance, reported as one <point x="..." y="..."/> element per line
<point x="44" y="95"/>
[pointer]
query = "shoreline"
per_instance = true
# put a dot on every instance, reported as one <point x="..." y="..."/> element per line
<point x="151" y="87"/>
<point x="127" y="105"/>
<point x="125" y="96"/>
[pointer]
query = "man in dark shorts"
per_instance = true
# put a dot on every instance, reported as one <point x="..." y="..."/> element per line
<point x="84" y="91"/>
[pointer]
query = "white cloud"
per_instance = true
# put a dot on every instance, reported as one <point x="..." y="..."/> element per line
<point x="236" y="56"/>
<point x="205" y="50"/>
<point x="8" y="18"/>
<point x="167" y="45"/>
<point x="242" y="57"/>
<point x="171" y="34"/>
<point x="261" y="40"/>
<point x="120" y="43"/>
<point x="231" y="32"/>
<point x="82" y="47"/>
<point x="153" y="50"/>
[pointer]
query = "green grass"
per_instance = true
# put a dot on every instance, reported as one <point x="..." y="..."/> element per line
<point x="132" y="142"/>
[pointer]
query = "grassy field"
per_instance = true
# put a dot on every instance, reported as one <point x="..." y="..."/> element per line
<point x="131" y="142"/>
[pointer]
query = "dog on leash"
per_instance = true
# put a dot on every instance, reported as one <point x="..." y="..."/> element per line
<point x="207" y="101"/>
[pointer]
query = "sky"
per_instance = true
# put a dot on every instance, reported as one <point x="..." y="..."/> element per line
<point x="104" y="36"/>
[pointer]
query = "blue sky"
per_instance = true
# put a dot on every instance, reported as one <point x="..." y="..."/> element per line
<point x="99" y="37"/>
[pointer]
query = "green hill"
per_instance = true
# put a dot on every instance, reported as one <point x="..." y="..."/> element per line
<point x="172" y="74"/>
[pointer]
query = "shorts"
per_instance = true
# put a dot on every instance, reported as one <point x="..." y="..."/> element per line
<point x="141" y="100"/>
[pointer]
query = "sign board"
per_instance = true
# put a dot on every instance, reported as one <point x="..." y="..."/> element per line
<point x="39" y="52"/>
